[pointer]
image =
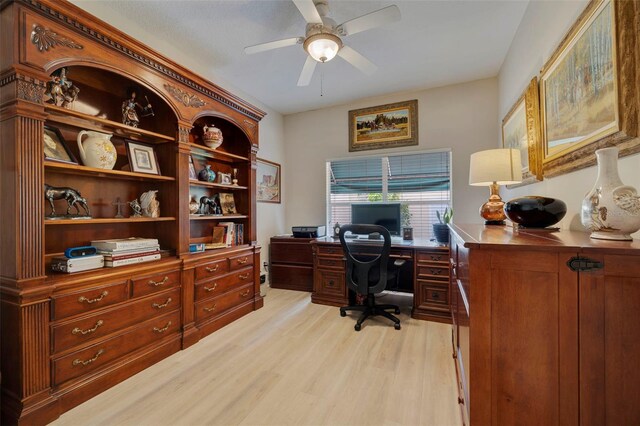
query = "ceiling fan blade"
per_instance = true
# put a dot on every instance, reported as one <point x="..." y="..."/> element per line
<point x="357" y="60"/>
<point x="370" y="20"/>
<point x="308" y="11"/>
<point x="273" y="45"/>
<point x="307" y="71"/>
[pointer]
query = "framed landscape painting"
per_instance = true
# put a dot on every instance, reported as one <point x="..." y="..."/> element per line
<point x="384" y="126"/>
<point x="521" y="131"/>
<point x="583" y="102"/>
<point x="268" y="181"/>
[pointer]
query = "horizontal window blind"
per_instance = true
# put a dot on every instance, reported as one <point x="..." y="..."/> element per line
<point x="420" y="182"/>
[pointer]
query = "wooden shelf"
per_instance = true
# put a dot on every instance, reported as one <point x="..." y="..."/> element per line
<point x="216" y="185"/>
<point x="67" y="116"/>
<point x="224" y="217"/>
<point x="203" y="151"/>
<point x="76" y="169"/>
<point x="107" y="220"/>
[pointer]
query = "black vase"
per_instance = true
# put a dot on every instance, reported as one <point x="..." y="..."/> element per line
<point x="535" y="212"/>
<point x="441" y="232"/>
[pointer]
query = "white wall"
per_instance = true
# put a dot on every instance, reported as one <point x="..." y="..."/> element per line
<point x="460" y="117"/>
<point x="270" y="217"/>
<point x="541" y="30"/>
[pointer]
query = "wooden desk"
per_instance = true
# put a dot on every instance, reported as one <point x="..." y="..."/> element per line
<point x="430" y="278"/>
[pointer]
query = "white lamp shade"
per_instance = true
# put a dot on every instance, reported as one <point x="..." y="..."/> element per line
<point x="502" y="166"/>
<point x="323" y="47"/>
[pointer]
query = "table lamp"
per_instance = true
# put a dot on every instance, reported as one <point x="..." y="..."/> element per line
<point x="491" y="168"/>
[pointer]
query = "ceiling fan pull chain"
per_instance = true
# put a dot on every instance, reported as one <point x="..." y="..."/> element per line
<point x="321" y="81"/>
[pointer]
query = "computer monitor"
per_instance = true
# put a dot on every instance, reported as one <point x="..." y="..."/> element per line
<point x="383" y="214"/>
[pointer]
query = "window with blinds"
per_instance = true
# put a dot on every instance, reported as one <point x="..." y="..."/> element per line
<point x="421" y="183"/>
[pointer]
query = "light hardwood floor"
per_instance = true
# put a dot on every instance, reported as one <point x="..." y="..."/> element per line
<point x="293" y="363"/>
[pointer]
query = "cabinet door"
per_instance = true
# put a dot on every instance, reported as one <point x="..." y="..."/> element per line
<point x="526" y="371"/>
<point x="610" y="342"/>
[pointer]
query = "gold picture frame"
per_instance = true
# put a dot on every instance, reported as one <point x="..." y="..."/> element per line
<point x="384" y="126"/>
<point x="268" y="181"/>
<point x="588" y="94"/>
<point x="521" y="131"/>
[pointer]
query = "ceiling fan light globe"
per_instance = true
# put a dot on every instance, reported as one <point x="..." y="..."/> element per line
<point x="323" y="47"/>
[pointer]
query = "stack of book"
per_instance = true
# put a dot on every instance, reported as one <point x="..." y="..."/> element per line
<point x="233" y="233"/>
<point x="127" y="251"/>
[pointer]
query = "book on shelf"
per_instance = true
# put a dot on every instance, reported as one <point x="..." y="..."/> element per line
<point x="126" y="252"/>
<point x="131" y="261"/>
<point x="228" y="233"/>
<point x="124" y="243"/>
<point x="114" y="257"/>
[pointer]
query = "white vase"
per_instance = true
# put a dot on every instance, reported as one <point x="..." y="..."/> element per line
<point x="611" y="210"/>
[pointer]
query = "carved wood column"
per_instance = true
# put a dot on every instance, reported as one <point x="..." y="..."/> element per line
<point x="26" y="376"/>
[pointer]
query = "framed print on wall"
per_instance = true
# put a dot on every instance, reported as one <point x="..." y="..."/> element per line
<point x="55" y="148"/>
<point x="268" y="181"/>
<point x="384" y="126"/>
<point x="521" y="131"/>
<point x="142" y="158"/>
<point x="584" y="95"/>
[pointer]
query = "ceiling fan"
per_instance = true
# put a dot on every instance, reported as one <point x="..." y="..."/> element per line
<point x="323" y="38"/>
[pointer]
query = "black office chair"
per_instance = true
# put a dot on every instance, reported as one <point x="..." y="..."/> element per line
<point x="368" y="270"/>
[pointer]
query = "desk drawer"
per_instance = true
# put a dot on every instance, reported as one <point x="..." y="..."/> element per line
<point x="433" y="295"/>
<point x="331" y="283"/>
<point x="89" y="299"/>
<point x="212" y="269"/>
<point x="291" y="253"/>
<point x="219" y="285"/>
<point x="433" y="256"/>
<point x="330" y="250"/>
<point x="217" y="305"/>
<point x="154" y="283"/>
<point x="241" y="261"/>
<point x="92" y="358"/>
<point x="433" y="272"/>
<point x="89" y="328"/>
<point x="330" y="262"/>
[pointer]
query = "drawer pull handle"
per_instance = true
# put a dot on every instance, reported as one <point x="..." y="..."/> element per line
<point x="158" y="283"/>
<point x="243" y="276"/>
<point x="209" y="289"/>
<point x="83" y="299"/>
<point x="89" y="361"/>
<point x="435" y="271"/>
<point x="161" y="305"/>
<point x="88" y="331"/>
<point x="245" y="293"/>
<point x="435" y="295"/>
<point x="214" y="269"/>
<point x="211" y="309"/>
<point x="330" y="283"/>
<point x="163" y="329"/>
<point x="436" y="257"/>
<point x="242" y="261"/>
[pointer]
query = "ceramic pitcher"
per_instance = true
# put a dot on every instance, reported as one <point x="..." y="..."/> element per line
<point x="212" y="136"/>
<point x="97" y="150"/>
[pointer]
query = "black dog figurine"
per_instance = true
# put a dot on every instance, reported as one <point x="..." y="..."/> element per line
<point x="73" y="197"/>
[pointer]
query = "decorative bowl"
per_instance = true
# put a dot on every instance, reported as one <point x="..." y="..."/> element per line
<point x="535" y="211"/>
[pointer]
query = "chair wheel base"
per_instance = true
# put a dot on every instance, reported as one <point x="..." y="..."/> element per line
<point x="396" y="326"/>
<point x="343" y="313"/>
<point x="357" y="327"/>
<point x="397" y="311"/>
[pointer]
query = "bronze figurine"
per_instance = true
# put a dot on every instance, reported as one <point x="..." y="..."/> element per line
<point x="129" y="112"/>
<point x="72" y="196"/>
<point x="61" y="90"/>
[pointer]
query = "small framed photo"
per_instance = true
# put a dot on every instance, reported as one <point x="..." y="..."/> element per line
<point x="227" y="204"/>
<point x="192" y="170"/>
<point x="224" y="178"/>
<point x="55" y="148"/>
<point x="142" y="158"/>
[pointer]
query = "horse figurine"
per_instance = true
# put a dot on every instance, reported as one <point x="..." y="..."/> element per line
<point x="73" y="198"/>
<point x="208" y="206"/>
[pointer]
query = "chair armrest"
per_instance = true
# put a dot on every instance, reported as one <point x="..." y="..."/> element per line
<point x="399" y="262"/>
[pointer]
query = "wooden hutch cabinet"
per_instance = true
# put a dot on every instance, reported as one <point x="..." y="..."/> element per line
<point x="545" y="328"/>
<point x="67" y="337"/>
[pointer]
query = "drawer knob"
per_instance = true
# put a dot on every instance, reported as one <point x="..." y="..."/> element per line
<point x="436" y="257"/>
<point x="435" y="271"/>
<point x="89" y="330"/>
<point x="210" y="289"/>
<point x="245" y="293"/>
<point x="435" y="295"/>
<point x="83" y="299"/>
<point x="330" y="283"/>
<point x="211" y="309"/>
<point x="89" y="361"/>
<point x="243" y="276"/>
<point x="210" y="269"/>
<point x="242" y="261"/>
<point x="161" y="305"/>
<point x="163" y="329"/>
<point x="158" y="283"/>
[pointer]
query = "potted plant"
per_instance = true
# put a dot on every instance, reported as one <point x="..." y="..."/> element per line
<point x="441" y="230"/>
